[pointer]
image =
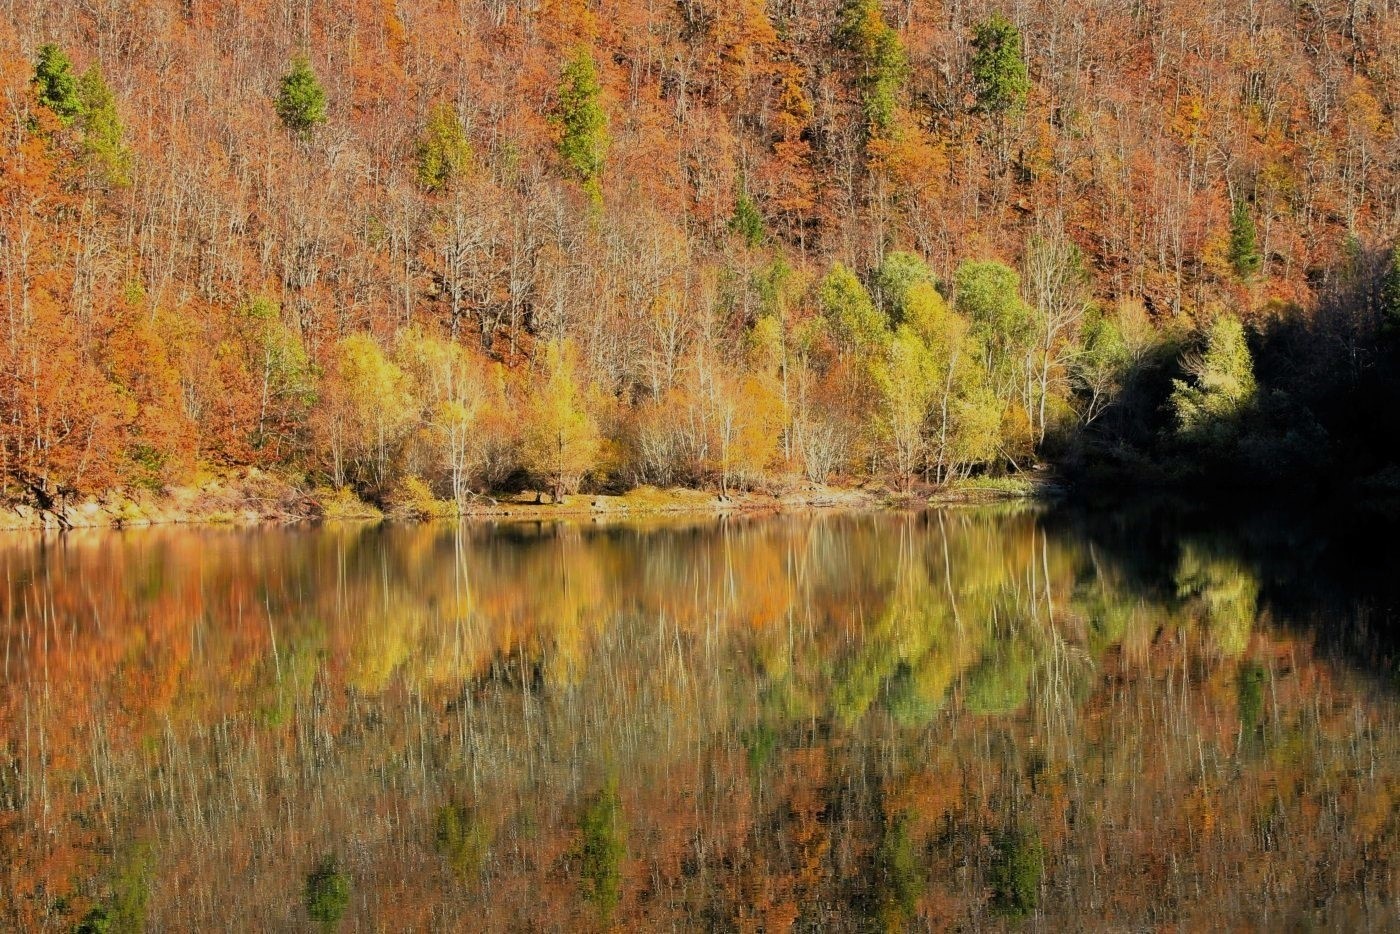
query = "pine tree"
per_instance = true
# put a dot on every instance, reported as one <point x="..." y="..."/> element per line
<point x="998" y="71"/>
<point x="887" y="72"/>
<point x="444" y="152"/>
<point x="301" y="101"/>
<point x="859" y="24"/>
<point x="1244" y="242"/>
<point x="884" y="64"/>
<point x="102" y="129"/>
<point x="584" y="141"/>
<point x="56" y="85"/>
<point x="747" y="222"/>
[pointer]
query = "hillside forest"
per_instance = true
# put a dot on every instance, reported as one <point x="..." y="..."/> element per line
<point x="439" y="249"/>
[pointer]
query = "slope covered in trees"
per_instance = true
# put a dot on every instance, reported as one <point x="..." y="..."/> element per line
<point x="561" y="244"/>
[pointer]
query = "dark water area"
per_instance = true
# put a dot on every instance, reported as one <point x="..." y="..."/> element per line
<point x="1332" y="567"/>
<point x="1165" y="716"/>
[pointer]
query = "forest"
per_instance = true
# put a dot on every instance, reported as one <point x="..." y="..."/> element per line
<point x="419" y="250"/>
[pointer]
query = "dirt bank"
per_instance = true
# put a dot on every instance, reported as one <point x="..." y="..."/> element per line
<point x="254" y="497"/>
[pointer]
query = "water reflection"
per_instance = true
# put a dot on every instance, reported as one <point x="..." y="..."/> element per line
<point x="860" y="722"/>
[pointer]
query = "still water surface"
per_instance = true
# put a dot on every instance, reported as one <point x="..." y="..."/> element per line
<point x="947" y="720"/>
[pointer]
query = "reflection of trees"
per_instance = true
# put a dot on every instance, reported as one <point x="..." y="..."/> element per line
<point x="806" y="720"/>
<point x="1227" y="590"/>
<point x="602" y="849"/>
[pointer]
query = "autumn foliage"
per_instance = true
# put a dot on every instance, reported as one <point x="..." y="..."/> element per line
<point x="207" y="209"/>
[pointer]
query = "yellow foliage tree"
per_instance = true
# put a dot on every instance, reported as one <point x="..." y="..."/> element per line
<point x="450" y="388"/>
<point x="365" y="413"/>
<point x="561" y="440"/>
<point x="908" y="381"/>
<point x="750" y="416"/>
<point x="964" y="416"/>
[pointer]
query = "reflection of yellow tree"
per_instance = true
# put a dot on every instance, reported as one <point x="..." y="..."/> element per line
<point x="1109" y="620"/>
<point x="914" y="649"/>
<point x="570" y="592"/>
<point x="1227" y="590"/>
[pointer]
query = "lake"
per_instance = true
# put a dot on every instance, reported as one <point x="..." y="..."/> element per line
<point x="989" y="717"/>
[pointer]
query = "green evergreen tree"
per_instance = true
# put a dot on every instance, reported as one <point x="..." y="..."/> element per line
<point x="883" y="62"/>
<point x="858" y="23"/>
<point x="886" y="74"/>
<point x="747" y="222"/>
<point x="444" y="152"/>
<point x="1244" y="242"/>
<point x="56" y="85"/>
<point x="102" y="129"/>
<point x="301" y="101"/>
<point x="584" y="141"/>
<point x="998" y="69"/>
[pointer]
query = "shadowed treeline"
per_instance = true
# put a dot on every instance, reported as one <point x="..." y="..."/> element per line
<point x="941" y="719"/>
<point x="1310" y="417"/>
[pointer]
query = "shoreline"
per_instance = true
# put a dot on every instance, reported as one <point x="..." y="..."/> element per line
<point x="253" y="497"/>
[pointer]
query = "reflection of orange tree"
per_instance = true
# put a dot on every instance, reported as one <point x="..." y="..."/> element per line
<point x="101" y="694"/>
